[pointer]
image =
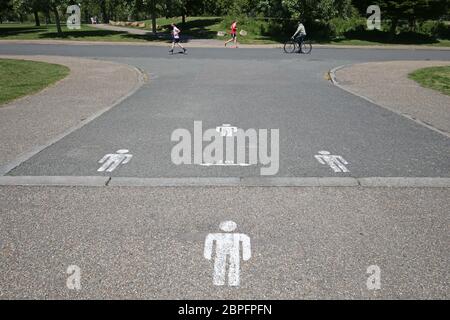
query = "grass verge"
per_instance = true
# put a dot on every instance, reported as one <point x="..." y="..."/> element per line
<point x="437" y="78"/>
<point x="20" y="77"/>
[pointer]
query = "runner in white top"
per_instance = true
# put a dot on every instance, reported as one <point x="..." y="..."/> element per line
<point x="176" y="38"/>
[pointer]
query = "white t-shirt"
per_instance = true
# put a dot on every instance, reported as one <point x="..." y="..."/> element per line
<point x="176" y="33"/>
<point x="301" y="30"/>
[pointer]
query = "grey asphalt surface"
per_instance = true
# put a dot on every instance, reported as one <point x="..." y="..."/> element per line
<point x="134" y="242"/>
<point x="409" y="98"/>
<point x="34" y="120"/>
<point x="248" y="88"/>
<point x="148" y="243"/>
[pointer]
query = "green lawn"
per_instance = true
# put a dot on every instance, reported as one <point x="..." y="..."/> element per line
<point x="20" y="77"/>
<point x="356" y="42"/>
<point x="86" y="33"/>
<point x="437" y="78"/>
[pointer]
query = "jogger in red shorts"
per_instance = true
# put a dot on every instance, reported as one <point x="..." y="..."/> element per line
<point x="233" y="34"/>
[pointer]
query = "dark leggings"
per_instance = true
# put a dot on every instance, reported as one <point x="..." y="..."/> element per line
<point x="300" y="39"/>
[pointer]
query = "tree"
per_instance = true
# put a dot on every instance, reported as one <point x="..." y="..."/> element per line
<point x="309" y="10"/>
<point x="5" y="7"/>
<point x="22" y="7"/>
<point x="407" y="10"/>
<point x="55" y="6"/>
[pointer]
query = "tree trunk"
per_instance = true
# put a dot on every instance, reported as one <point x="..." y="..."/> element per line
<point x="153" y="17"/>
<point x="393" y="29"/>
<point x="412" y="24"/>
<point x="48" y="19"/>
<point x="104" y="11"/>
<point x="169" y="9"/>
<point x="183" y="17"/>
<point x="87" y="18"/>
<point x="57" y="20"/>
<point x="36" y="18"/>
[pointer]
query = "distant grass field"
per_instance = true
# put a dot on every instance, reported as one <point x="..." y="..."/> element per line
<point x="356" y="42"/>
<point x="86" y="33"/>
<point x="20" y="77"/>
<point x="437" y="78"/>
<point x="259" y="31"/>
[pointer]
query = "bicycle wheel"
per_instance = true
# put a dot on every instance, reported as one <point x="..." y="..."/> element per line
<point x="290" y="46"/>
<point x="306" y="47"/>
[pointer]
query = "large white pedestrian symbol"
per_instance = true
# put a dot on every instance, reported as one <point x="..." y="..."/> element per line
<point x="227" y="252"/>
<point x="336" y="162"/>
<point x="113" y="160"/>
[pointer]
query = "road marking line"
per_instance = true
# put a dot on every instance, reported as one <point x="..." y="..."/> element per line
<point x="172" y="182"/>
<point x="88" y="181"/>
<point x="227" y="164"/>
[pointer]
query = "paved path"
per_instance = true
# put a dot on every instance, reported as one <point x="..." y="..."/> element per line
<point x="387" y="84"/>
<point x="120" y="29"/>
<point x="139" y="242"/>
<point x="206" y="43"/>
<point x="148" y="242"/>
<point x="249" y="88"/>
<point x="32" y="121"/>
<point x="214" y="43"/>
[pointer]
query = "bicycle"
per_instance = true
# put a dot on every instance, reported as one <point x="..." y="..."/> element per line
<point x="297" y="45"/>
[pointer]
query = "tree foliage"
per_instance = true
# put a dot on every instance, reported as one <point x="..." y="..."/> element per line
<point x="411" y="11"/>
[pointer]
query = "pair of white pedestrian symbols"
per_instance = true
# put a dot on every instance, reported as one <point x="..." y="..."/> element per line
<point x="335" y="162"/>
<point x="227" y="253"/>
<point x="111" y="161"/>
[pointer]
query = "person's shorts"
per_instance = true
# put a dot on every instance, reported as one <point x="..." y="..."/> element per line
<point x="176" y="40"/>
<point x="300" y="38"/>
<point x="233" y="35"/>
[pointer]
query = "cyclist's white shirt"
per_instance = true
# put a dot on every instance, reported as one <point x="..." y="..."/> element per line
<point x="176" y="33"/>
<point x="301" y="30"/>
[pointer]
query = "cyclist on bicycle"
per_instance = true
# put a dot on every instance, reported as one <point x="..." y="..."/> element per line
<point x="300" y="34"/>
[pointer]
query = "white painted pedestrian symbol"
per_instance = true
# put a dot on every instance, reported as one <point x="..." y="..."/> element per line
<point x="227" y="252"/>
<point x="336" y="162"/>
<point x="226" y="130"/>
<point x="112" y="161"/>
